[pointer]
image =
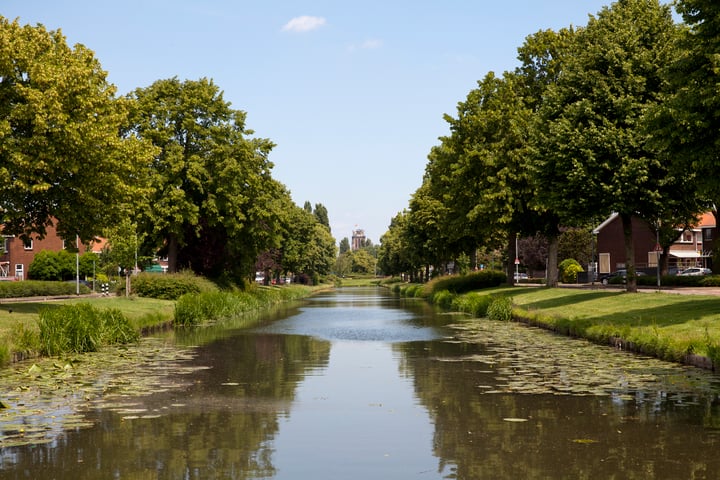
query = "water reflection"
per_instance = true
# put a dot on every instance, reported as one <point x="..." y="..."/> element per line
<point x="561" y="436"/>
<point x="358" y="384"/>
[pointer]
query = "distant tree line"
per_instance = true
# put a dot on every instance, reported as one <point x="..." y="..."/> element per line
<point x="618" y="116"/>
<point x="170" y="169"/>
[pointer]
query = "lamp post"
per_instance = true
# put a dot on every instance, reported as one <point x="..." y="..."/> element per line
<point x="77" y="265"/>
<point x="658" y="249"/>
<point x="517" y="260"/>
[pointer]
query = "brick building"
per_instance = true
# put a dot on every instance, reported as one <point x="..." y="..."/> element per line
<point x="17" y="254"/>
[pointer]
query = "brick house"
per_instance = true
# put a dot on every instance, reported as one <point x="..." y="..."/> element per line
<point x="17" y="254"/>
<point x="693" y="248"/>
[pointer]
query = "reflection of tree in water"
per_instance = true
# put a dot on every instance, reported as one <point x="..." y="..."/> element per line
<point x="562" y="436"/>
<point x="218" y="427"/>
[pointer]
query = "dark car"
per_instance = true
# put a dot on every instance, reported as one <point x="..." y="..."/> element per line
<point x="606" y="278"/>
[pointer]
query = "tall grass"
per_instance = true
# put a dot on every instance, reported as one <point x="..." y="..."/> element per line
<point x="203" y="307"/>
<point x="472" y="303"/>
<point x="82" y="328"/>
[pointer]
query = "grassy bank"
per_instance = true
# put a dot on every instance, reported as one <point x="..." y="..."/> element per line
<point x="679" y="328"/>
<point x="672" y="327"/>
<point x="30" y="328"/>
<point x="20" y="327"/>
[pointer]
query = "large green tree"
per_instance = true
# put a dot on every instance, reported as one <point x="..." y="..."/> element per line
<point x="308" y="248"/>
<point x="491" y="138"/>
<point x="686" y="125"/>
<point x="61" y="155"/>
<point x="594" y="157"/>
<point x="210" y="183"/>
<point x="395" y="255"/>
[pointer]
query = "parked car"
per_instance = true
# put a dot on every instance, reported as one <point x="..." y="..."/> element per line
<point x="606" y="278"/>
<point x="521" y="276"/>
<point x="693" y="271"/>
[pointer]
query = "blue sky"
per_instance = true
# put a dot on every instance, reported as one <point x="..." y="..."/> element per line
<point x="352" y="93"/>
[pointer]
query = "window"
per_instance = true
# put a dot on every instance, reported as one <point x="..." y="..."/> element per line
<point x="28" y="244"/>
<point x="707" y="233"/>
<point x="19" y="271"/>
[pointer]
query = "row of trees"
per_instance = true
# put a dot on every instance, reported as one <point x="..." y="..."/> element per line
<point x="169" y="169"/>
<point x="620" y="115"/>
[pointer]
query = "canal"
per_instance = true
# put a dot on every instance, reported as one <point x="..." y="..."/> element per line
<point x="359" y="384"/>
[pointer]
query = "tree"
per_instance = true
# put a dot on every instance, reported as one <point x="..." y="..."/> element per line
<point x="363" y="262"/>
<point x="61" y="156"/>
<point x="594" y="157"/>
<point x="575" y="243"/>
<point x="685" y="125"/>
<point x="123" y="247"/>
<point x="209" y="183"/>
<point x="491" y="140"/>
<point x="344" y="245"/>
<point x="394" y="254"/>
<point x="321" y="214"/>
<point x="308" y="248"/>
<point x="344" y="263"/>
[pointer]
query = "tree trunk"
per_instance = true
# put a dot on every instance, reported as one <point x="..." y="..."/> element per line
<point x="631" y="285"/>
<point x="172" y="253"/>
<point x="552" y="261"/>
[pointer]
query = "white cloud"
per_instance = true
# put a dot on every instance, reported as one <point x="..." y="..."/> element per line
<point x="303" y="23"/>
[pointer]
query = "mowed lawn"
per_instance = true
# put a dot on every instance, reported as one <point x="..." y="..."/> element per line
<point x="668" y="325"/>
<point x="142" y="312"/>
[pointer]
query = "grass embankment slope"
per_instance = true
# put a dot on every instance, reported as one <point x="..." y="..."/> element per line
<point x="142" y="312"/>
<point x="672" y="327"/>
<point x="30" y="328"/>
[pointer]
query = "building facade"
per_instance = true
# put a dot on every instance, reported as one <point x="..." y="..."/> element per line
<point x="17" y="254"/>
<point x="358" y="239"/>
<point x="693" y="248"/>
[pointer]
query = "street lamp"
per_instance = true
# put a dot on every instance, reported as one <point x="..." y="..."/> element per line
<point x="517" y="260"/>
<point x="77" y="265"/>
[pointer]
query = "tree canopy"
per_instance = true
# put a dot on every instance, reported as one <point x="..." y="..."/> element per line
<point x="595" y="120"/>
<point x="61" y="158"/>
<point x="207" y="180"/>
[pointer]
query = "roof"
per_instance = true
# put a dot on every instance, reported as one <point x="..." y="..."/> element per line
<point x="706" y="220"/>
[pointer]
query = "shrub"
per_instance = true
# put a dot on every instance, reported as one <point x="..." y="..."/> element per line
<point x="500" y="308"/>
<point x="467" y="283"/>
<point x="472" y="303"/>
<point x="411" y="290"/>
<point x="170" y="286"/>
<point x="672" y="281"/>
<point x="569" y="269"/>
<point x="710" y="281"/>
<point x="38" y="288"/>
<point x="443" y="299"/>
